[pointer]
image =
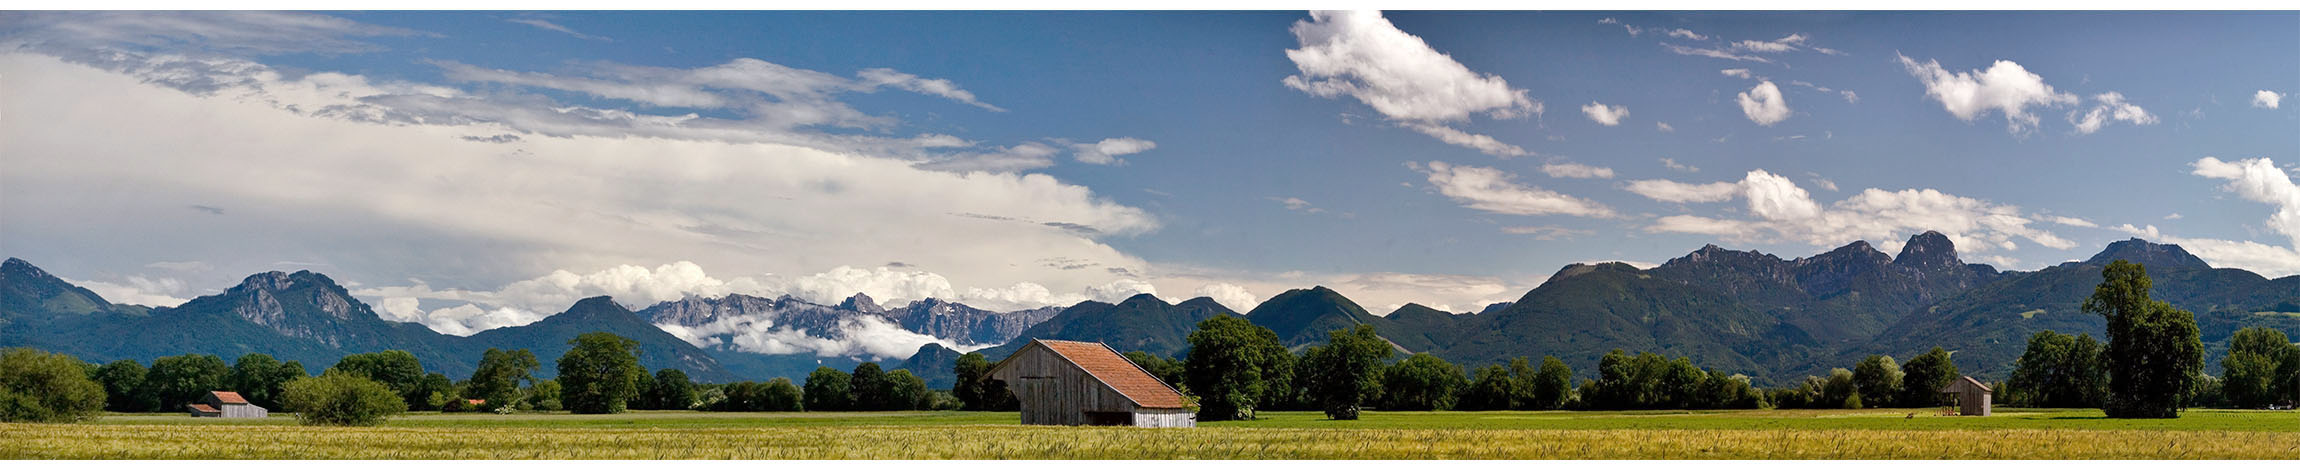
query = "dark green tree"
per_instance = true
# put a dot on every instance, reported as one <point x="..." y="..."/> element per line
<point x="906" y="391"/>
<point x="1345" y="373"/>
<point x="1924" y="376"/>
<point x="2154" y="354"/>
<point x="500" y="376"/>
<point x="977" y="391"/>
<point x="42" y="387"/>
<point x="829" y="389"/>
<point x="1494" y="389"/>
<point x="781" y="395"/>
<point x="258" y="378"/>
<point x="1421" y="382"/>
<point x="869" y="385"/>
<point x="1878" y="378"/>
<point x="1840" y="391"/>
<point x="175" y="381"/>
<point x="338" y="398"/>
<point x="124" y="390"/>
<point x="432" y="392"/>
<point x="671" y="390"/>
<point x="546" y="395"/>
<point x="2058" y="371"/>
<point x="601" y="374"/>
<point x="1234" y="366"/>
<point x="396" y="369"/>
<point x="2259" y="369"/>
<point x="1553" y="385"/>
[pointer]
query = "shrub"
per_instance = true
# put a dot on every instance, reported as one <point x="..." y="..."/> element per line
<point x="42" y="387"/>
<point x="341" y="399"/>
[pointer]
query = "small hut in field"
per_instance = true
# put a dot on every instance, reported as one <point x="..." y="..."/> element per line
<point x="1079" y="383"/>
<point x="225" y="405"/>
<point x="1972" y="396"/>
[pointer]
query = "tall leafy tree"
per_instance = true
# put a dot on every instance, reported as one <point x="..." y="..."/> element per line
<point x="2154" y="355"/>
<point x="601" y="374"/>
<point x="42" y="387"/>
<point x="977" y="391"/>
<point x="124" y="390"/>
<point x="2261" y="368"/>
<point x="175" y="381"/>
<point x="396" y="369"/>
<point x="1345" y="373"/>
<point x="1553" y="385"/>
<point x="829" y="389"/>
<point x="672" y="390"/>
<point x="906" y="391"/>
<point x="1493" y="389"/>
<point x="1878" y="379"/>
<point x="431" y="392"/>
<point x="2059" y="371"/>
<point x="1924" y="376"/>
<point x="546" y="394"/>
<point x="870" y="388"/>
<point x="781" y="395"/>
<point x="1234" y="366"/>
<point x="258" y="378"/>
<point x="1421" y="382"/>
<point x="500" y="375"/>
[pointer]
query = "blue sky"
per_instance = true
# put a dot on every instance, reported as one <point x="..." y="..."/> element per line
<point x="494" y="166"/>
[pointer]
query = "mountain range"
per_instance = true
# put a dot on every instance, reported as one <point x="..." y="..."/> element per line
<point x="1741" y="312"/>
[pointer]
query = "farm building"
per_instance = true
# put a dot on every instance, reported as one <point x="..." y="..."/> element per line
<point x="1080" y="383"/>
<point x="1972" y="396"/>
<point x="226" y="405"/>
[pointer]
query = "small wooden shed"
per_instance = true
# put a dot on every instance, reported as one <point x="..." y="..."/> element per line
<point x="1972" y="396"/>
<point x="1076" y="383"/>
<point x="225" y="405"/>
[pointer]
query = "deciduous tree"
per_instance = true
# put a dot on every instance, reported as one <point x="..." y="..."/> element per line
<point x="2154" y="354"/>
<point x="600" y="374"/>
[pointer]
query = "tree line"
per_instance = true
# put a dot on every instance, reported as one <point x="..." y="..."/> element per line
<point x="2150" y="366"/>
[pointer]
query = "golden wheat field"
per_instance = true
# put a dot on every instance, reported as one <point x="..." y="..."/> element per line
<point x="963" y="436"/>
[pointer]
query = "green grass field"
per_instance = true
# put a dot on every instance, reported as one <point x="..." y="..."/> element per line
<point x="1785" y="434"/>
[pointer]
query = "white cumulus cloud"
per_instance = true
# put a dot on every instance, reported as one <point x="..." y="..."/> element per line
<point x="2267" y="99"/>
<point x="1493" y="190"/>
<point x="1764" y="104"/>
<point x="1230" y="295"/>
<point x="2006" y="87"/>
<point x="1782" y="210"/>
<point x="1607" y="115"/>
<point x="2110" y="107"/>
<point x="1362" y="56"/>
<point x="1576" y="170"/>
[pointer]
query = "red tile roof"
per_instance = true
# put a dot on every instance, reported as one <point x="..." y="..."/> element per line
<point x="203" y="408"/>
<point x="1121" y="374"/>
<point x="230" y="398"/>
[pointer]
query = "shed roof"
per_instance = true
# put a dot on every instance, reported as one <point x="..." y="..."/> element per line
<point x="1966" y="383"/>
<point x="203" y="408"/>
<point x="229" y="398"/>
<point x="1108" y="366"/>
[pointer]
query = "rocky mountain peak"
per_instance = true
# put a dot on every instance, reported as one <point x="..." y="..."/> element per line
<point x="14" y="267"/>
<point x="2155" y="256"/>
<point x="272" y="281"/>
<point x="861" y="303"/>
<point x="1928" y="250"/>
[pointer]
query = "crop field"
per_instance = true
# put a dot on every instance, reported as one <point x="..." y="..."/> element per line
<point x="1785" y="434"/>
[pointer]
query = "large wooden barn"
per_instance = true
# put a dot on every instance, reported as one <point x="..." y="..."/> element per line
<point x="1079" y="383"/>
<point x="225" y="405"/>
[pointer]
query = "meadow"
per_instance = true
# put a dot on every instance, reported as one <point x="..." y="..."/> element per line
<point x="1770" y="434"/>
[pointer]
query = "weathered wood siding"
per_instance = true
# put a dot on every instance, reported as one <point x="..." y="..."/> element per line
<point x="1054" y="391"/>
<point x="1974" y="403"/>
<point x="1158" y="418"/>
<point x="244" y="411"/>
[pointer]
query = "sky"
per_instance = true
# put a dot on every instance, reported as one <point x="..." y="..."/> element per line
<point x="473" y="170"/>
